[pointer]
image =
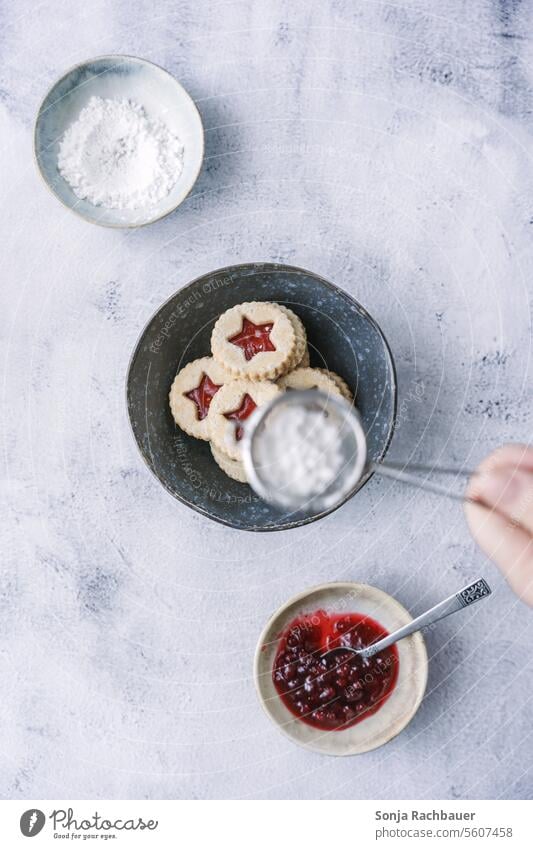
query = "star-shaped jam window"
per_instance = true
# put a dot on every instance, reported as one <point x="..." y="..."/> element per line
<point x="253" y="338"/>
<point x="202" y="396"/>
<point x="246" y="409"/>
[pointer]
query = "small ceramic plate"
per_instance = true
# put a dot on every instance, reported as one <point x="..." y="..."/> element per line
<point x="342" y="336"/>
<point x="118" y="77"/>
<point x="401" y="705"/>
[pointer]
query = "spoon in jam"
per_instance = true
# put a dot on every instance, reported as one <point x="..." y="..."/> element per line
<point x="476" y="591"/>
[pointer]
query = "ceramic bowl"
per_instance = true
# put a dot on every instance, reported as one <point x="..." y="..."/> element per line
<point x="118" y="77"/>
<point x="342" y="336"/>
<point x="401" y="705"/>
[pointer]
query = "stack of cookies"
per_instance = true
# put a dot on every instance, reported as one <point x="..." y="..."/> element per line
<point x="259" y="349"/>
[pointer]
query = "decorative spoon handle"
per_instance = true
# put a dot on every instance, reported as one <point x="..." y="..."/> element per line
<point x="468" y="595"/>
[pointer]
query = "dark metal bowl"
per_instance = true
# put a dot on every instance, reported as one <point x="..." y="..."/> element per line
<point x="342" y="336"/>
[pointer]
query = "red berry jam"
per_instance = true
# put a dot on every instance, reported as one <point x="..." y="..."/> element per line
<point x="246" y="409"/>
<point x="253" y="338"/>
<point x="202" y="396"/>
<point x="340" y="690"/>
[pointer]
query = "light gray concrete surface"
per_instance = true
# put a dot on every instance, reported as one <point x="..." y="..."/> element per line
<point x="387" y="147"/>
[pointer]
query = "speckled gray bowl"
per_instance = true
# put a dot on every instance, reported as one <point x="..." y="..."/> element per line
<point x="342" y="336"/>
<point x="118" y="77"/>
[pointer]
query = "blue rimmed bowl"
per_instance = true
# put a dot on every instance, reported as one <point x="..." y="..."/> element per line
<point x="118" y="77"/>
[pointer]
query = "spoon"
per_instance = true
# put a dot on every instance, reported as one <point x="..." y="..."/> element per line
<point x="464" y="598"/>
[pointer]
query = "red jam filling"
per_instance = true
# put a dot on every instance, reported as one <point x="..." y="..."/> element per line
<point x="253" y="338"/>
<point x="342" y="689"/>
<point x="246" y="409"/>
<point x="202" y="396"/>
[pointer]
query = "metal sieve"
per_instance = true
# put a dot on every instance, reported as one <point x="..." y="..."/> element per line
<point x="352" y="444"/>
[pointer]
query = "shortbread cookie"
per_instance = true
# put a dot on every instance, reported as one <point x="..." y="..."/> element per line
<point x="192" y="391"/>
<point x="231" y="406"/>
<point x="301" y="336"/>
<point x="233" y="468"/>
<point x="254" y="340"/>
<point x="341" y="383"/>
<point x="311" y="378"/>
<point x="305" y="362"/>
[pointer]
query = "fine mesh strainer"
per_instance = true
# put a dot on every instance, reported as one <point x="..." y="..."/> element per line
<point x="292" y="482"/>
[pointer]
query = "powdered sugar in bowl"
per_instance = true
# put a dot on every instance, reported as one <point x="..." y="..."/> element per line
<point x="119" y="141"/>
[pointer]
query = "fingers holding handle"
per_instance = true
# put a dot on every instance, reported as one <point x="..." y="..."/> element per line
<point x="501" y="517"/>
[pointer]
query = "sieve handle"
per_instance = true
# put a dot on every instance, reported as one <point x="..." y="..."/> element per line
<point x="397" y="472"/>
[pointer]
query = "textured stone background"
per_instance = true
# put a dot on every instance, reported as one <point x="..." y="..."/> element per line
<point x="387" y="147"/>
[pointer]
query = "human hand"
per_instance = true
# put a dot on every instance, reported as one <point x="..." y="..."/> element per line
<point x="504" y="484"/>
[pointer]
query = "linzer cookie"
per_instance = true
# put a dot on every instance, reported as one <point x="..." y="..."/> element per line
<point x="256" y="341"/>
<point x="305" y="362"/>
<point x="341" y="383"/>
<point x="192" y="392"/>
<point x="313" y="378"/>
<point x="233" y="468"/>
<point x="301" y="352"/>
<point x="230" y="408"/>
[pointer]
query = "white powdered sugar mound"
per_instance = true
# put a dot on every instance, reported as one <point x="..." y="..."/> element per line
<point x="115" y="156"/>
<point x="299" y="454"/>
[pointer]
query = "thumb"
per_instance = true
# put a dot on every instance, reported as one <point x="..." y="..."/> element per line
<point x="509" y="491"/>
<point x="507" y="544"/>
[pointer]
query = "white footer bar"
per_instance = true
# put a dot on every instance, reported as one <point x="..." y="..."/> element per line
<point x="266" y="824"/>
